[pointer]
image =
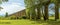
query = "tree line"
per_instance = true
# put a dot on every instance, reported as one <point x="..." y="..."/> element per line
<point x="34" y="8"/>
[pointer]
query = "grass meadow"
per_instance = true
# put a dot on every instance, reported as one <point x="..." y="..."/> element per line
<point x="51" y="21"/>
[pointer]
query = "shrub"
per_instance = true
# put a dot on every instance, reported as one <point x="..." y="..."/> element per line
<point x="24" y="17"/>
<point x="13" y="17"/>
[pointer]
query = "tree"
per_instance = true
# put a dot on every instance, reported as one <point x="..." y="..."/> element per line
<point x="30" y="10"/>
<point x="2" y="1"/>
<point x="6" y="14"/>
<point x="46" y="12"/>
<point x="45" y="4"/>
<point x="1" y="8"/>
<point x="57" y="10"/>
<point x="57" y="2"/>
<point x="33" y="4"/>
<point x="38" y="7"/>
<point x="38" y="13"/>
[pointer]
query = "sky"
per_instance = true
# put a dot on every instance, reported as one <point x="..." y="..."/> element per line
<point x="12" y="6"/>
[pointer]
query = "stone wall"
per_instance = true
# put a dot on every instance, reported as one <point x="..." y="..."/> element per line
<point x="19" y="13"/>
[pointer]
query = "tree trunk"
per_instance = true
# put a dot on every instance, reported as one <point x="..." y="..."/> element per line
<point x="33" y="14"/>
<point x="38" y="13"/>
<point x="46" y="12"/>
<point x="56" y="12"/>
<point x="28" y="13"/>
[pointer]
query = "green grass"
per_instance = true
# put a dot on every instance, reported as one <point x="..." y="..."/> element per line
<point x="29" y="22"/>
<point x="17" y="22"/>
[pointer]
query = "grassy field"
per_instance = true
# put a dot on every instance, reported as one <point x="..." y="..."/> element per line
<point x="29" y="22"/>
<point x="8" y="21"/>
<point x="17" y="22"/>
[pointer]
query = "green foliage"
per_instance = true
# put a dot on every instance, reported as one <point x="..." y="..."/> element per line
<point x="13" y="17"/>
<point x="24" y="17"/>
<point x="6" y="14"/>
<point x="3" y="1"/>
<point x="30" y="8"/>
<point x="31" y="5"/>
<point x="0" y="1"/>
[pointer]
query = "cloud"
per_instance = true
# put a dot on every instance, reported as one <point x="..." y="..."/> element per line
<point x="11" y="8"/>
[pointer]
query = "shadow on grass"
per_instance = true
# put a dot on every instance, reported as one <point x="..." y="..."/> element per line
<point x="48" y="22"/>
<point x="53" y="22"/>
